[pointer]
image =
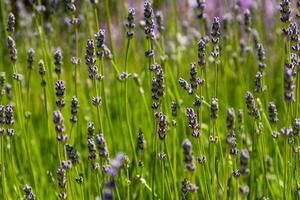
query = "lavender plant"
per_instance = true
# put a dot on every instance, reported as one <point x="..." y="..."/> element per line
<point x="172" y="100"/>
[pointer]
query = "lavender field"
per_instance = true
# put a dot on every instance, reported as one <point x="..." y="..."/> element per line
<point x="141" y="99"/>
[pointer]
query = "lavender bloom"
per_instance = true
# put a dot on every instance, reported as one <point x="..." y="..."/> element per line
<point x="10" y="132"/>
<point x="60" y="88"/>
<point x="251" y="105"/>
<point x="162" y="155"/>
<point x="247" y="21"/>
<point x="8" y="90"/>
<point x="75" y="61"/>
<point x="79" y="178"/>
<point x="90" y="52"/>
<point x="296" y="127"/>
<point x="29" y="195"/>
<point x="214" y="109"/>
<point x="188" y="187"/>
<point x="236" y="173"/>
<point x="107" y="194"/>
<point x="30" y="59"/>
<point x="11" y="20"/>
<point x="96" y="101"/>
<point x="149" y="53"/>
<point x="231" y="138"/>
<point x="149" y="21"/>
<point x="63" y="195"/>
<point x="244" y="190"/>
<point x="90" y="59"/>
<point x="130" y="25"/>
<point x="215" y="38"/>
<point x="102" y="146"/>
<point x="66" y="164"/>
<point x="230" y="118"/>
<point x="188" y="155"/>
<point x="298" y="8"/>
<point x="100" y="37"/>
<point x="40" y="8"/>
<point x="117" y="164"/>
<point x="244" y="158"/>
<point x="285" y="11"/>
<point x="197" y="102"/>
<point x="60" y="93"/>
<point x="90" y="130"/>
<point x="294" y="32"/>
<point x="2" y="79"/>
<point x="12" y="49"/>
<point x="162" y="125"/>
<point x="9" y="119"/>
<point x="17" y="77"/>
<point x="174" y="109"/>
<point x="201" y="160"/>
<point x="261" y="57"/>
<point x="160" y="22"/>
<point x="193" y="122"/>
<point x="92" y="149"/>
<point x="2" y="115"/>
<point x="9" y="115"/>
<point x="58" y="120"/>
<point x="42" y="69"/>
<point x="62" y="180"/>
<point x="193" y="77"/>
<point x="273" y="114"/>
<point x="258" y="82"/>
<point x="289" y="85"/>
<point x="75" y="21"/>
<point x="185" y="85"/>
<point x="74" y="109"/>
<point x="200" y="9"/>
<point x="123" y="76"/>
<point x="58" y="61"/>
<point x="286" y="131"/>
<point x="158" y="86"/>
<point x="70" y="5"/>
<point x="141" y="141"/>
<point x="72" y="154"/>
<point x="201" y="52"/>
<point x="42" y="72"/>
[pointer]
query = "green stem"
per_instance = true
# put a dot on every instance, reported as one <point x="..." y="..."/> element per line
<point x="108" y="18"/>
<point x="2" y="168"/>
<point x="127" y="103"/>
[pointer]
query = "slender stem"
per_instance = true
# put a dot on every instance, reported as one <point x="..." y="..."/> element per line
<point x="97" y="106"/>
<point x="17" y="190"/>
<point x="127" y="103"/>
<point x="75" y="74"/>
<point x="47" y="119"/>
<point x="96" y="17"/>
<point x="216" y="79"/>
<point x="2" y="167"/>
<point x="128" y="186"/>
<point x="28" y="88"/>
<point x="108" y="18"/>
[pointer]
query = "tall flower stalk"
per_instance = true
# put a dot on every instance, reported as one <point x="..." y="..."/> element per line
<point x="130" y="25"/>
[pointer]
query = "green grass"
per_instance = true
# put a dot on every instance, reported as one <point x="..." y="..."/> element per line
<point x="33" y="154"/>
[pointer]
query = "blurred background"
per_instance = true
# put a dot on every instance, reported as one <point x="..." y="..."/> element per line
<point x="265" y="9"/>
